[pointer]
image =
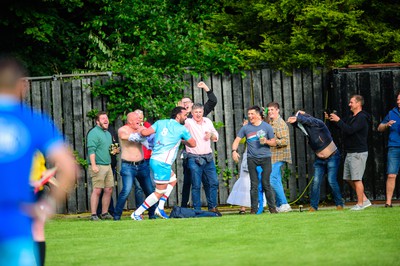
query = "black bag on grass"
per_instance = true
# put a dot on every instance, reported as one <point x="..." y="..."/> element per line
<point x="180" y="212"/>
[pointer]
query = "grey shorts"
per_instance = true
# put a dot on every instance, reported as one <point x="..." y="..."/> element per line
<point x="354" y="165"/>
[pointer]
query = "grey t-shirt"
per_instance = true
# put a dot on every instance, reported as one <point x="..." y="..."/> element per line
<point x="253" y="135"/>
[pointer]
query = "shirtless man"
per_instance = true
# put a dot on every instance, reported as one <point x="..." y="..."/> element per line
<point x="132" y="163"/>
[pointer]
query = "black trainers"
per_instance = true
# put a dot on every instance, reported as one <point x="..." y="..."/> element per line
<point x="388" y="205"/>
<point x="216" y="211"/>
<point x="94" y="217"/>
<point x="106" y="216"/>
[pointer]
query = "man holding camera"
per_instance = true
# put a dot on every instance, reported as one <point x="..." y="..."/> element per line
<point x="355" y="130"/>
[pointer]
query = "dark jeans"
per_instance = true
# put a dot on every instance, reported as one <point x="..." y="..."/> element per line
<point x="187" y="183"/>
<point x="266" y="166"/>
<point x="331" y="167"/>
<point x="129" y="173"/>
<point x="206" y="173"/>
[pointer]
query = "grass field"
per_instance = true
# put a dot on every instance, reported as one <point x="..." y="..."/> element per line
<point x="327" y="237"/>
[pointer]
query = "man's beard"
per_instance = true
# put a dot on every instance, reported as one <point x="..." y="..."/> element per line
<point x="103" y="126"/>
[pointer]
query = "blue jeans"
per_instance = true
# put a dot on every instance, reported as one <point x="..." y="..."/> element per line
<point x="331" y="165"/>
<point x="393" y="160"/>
<point x="205" y="172"/>
<point x="129" y="173"/>
<point x="276" y="183"/>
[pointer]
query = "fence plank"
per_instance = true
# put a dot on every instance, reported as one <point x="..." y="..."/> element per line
<point x="248" y="90"/>
<point x="28" y="93"/>
<point x="57" y="117"/>
<point x="276" y="86"/>
<point x="376" y="183"/>
<point x="69" y="133"/>
<point x="220" y="146"/>
<point x="198" y="92"/>
<point x="79" y="142"/>
<point x="237" y="99"/>
<point x="87" y="125"/>
<point x="46" y="97"/>
<point x="257" y="88"/>
<point x="229" y="131"/>
<point x="266" y="86"/>
<point x="36" y="95"/>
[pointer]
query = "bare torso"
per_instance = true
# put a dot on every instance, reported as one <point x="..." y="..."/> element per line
<point x="130" y="151"/>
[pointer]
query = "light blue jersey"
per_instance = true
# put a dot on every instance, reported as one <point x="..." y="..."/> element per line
<point x="168" y="136"/>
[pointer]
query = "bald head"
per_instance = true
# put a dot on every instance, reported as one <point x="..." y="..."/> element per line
<point x="133" y="119"/>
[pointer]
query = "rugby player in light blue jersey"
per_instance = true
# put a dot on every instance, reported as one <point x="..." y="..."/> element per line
<point x="24" y="131"/>
<point x="169" y="133"/>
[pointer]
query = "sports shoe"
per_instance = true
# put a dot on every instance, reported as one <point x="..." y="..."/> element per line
<point x="94" y="217"/>
<point x="161" y="213"/>
<point x="339" y="207"/>
<point x="388" y="205"/>
<point x="311" y="209"/>
<point x="106" y="216"/>
<point x="136" y="217"/>
<point x="357" y="208"/>
<point x="284" y="208"/>
<point x="366" y="203"/>
<point x="216" y="211"/>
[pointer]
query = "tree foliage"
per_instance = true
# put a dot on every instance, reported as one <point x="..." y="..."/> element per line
<point x="151" y="44"/>
<point x="331" y="33"/>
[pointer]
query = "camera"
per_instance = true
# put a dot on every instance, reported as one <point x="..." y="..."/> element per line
<point x="329" y="111"/>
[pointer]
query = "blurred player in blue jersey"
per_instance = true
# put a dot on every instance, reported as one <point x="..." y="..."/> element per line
<point x="169" y="133"/>
<point x="23" y="131"/>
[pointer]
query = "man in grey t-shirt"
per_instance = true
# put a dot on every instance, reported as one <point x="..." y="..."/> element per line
<point x="259" y="137"/>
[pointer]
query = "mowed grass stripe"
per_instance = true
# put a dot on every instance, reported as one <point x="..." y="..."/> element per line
<point x="369" y="237"/>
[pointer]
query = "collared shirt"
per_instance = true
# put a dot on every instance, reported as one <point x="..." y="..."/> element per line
<point x="281" y="153"/>
<point x="198" y="131"/>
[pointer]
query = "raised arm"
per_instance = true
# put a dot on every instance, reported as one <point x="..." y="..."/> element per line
<point x="212" y="99"/>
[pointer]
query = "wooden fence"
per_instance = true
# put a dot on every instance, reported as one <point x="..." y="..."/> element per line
<point x="69" y="100"/>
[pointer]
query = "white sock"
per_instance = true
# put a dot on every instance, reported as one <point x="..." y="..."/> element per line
<point x="148" y="202"/>
<point x="164" y="197"/>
